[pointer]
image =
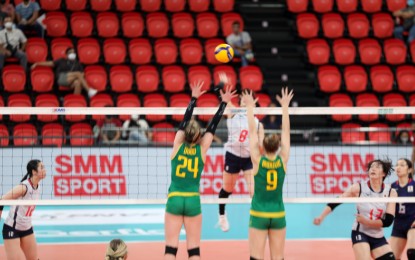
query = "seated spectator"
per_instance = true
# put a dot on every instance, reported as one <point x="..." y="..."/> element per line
<point x="241" y="43"/>
<point x="136" y="129"/>
<point x="272" y="121"/>
<point x="116" y="250"/>
<point x="403" y="137"/>
<point x="12" y="44"/>
<point x="69" y="73"/>
<point x="27" y="14"/>
<point x="405" y="20"/>
<point x="2" y="16"/>
<point x="8" y="8"/>
<point x="109" y="129"/>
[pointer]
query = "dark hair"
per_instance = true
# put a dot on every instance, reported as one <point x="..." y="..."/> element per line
<point x="69" y="49"/>
<point x="31" y="165"/>
<point x="386" y="166"/>
<point x="409" y="163"/>
<point x="271" y="143"/>
<point x="192" y="132"/>
<point x="236" y="23"/>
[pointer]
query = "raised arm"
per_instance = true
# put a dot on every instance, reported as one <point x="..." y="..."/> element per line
<point x="249" y="101"/>
<point x="284" y="101"/>
<point x="43" y="63"/>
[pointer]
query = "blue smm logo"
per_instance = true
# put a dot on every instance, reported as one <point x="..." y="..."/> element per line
<point x="59" y="110"/>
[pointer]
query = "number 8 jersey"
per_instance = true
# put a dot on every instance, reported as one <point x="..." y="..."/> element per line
<point x="238" y="135"/>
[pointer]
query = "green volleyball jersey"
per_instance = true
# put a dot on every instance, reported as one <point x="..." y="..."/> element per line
<point x="186" y="169"/>
<point x="269" y="180"/>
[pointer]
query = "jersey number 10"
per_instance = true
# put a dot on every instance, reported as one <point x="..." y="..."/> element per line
<point x="187" y="163"/>
<point x="272" y="180"/>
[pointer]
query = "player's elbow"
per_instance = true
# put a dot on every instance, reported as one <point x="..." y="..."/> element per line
<point x="388" y="220"/>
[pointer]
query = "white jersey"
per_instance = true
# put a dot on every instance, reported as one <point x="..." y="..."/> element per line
<point x="238" y="135"/>
<point x="20" y="217"/>
<point x="371" y="210"/>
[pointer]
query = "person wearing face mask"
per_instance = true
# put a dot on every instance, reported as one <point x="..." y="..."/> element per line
<point x="403" y="137"/>
<point x="136" y="129"/>
<point x="69" y="72"/>
<point x="405" y="20"/>
<point x="27" y="14"/>
<point x="12" y="44"/>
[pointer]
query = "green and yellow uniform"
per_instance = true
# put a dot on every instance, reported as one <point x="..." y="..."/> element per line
<point x="186" y="169"/>
<point x="267" y="207"/>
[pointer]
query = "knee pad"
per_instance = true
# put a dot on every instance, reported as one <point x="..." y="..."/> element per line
<point x="410" y="253"/>
<point x="170" y="250"/>
<point x="387" y="256"/>
<point x="223" y="194"/>
<point x="194" y="252"/>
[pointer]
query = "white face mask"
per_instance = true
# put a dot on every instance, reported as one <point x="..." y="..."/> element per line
<point x="71" y="56"/>
<point x="404" y="139"/>
<point x="8" y="25"/>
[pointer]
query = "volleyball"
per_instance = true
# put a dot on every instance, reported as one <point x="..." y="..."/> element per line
<point x="223" y="53"/>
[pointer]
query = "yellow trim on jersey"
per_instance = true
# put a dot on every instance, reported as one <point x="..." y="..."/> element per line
<point x="260" y="214"/>
<point x="183" y="194"/>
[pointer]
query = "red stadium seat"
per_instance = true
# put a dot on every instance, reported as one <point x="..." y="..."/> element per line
<point x="36" y="50"/>
<point x="97" y="77"/>
<point x="381" y="78"/>
<point x="53" y="135"/>
<point x="333" y="25"/>
<point x="25" y="135"/>
<point x="395" y="51"/>
<point x="322" y="6"/>
<point x="394" y="100"/>
<point x="56" y="23"/>
<point x="155" y="100"/>
<point x="371" y="6"/>
<point x="121" y="78"/>
<point x="191" y="51"/>
<point x="198" y="6"/>
<point x="81" y="24"/>
<point x="147" y="78"/>
<point x="307" y="25"/>
<point x="179" y="100"/>
<point x="202" y="73"/>
<point x="347" y="6"/>
<point x="344" y="51"/>
<point x="412" y="103"/>
<point x="251" y="78"/>
<point x="318" y="51"/>
<point x="19" y="100"/>
<point x="383" y="25"/>
<point x="157" y="25"/>
<point x="100" y="100"/>
<point x="88" y="51"/>
<point x="395" y="5"/>
<point x="107" y="24"/>
<point x="227" y="20"/>
<point x="350" y="133"/>
<point x="183" y="25"/>
<point x="1" y="105"/>
<point x="174" y="6"/>
<point x="14" y="78"/>
<point x="127" y="100"/>
<point x="140" y="51"/>
<point x="358" y="25"/>
<point x="370" y="51"/>
<point x="100" y="5"/>
<point x="207" y="100"/>
<point x="150" y="5"/>
<point x="163" y="134"/>
<point x="297" y="6"/>
<point x="80" y="134"/>
<point x="223" y="6"/>
<point x="125" y="5"/>
<point x="73" y="100"/>
<point x="132" y="25"/>
<point x="412" y="50"/>
<point x="59" y="47"/>
<point x="405" y="76"/>
<point x="230" y="74"/>
<point x="329" y="78"/>
<point x="173" y="78"/>
<point x="367" y="100"/>
<point x="381" y="133"/>
<point x="355" y="78"/>
<point x="341" y="100"/>
<point x="75" y="5"/>
<point x="207" y="25"/>
<point x="165" y="51"/>
<point x="263" y="101"/>
<point x="114" y="51"/>
<point x="4" y="136"/>
<point x="50" y="5"/>
<point x="47" y="100"/>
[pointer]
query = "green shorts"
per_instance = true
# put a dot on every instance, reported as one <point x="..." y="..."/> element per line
<point x="184" y="206"/>
<point x="267" y="223"/>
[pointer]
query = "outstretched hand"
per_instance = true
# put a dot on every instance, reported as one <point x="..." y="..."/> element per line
<point x="228" y="94"/>
<point x="197" y="89"/>
<point x="248" y="98"/>
<point x="224" y="78"/>
<point x="285" y="97"/>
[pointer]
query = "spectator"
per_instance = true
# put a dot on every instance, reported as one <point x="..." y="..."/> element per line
<point x="68" y="72"/>
<point x="403" y="137"/>
<point x="7" y="8"/>
<point x="241" y="43"/>
<point x="27" y="14"/>
<point x="116" y="250"/>
<point x="109" y="129"/>
<point x="272" y="121"/>
<point x="405" y="19"/>
<point x="12" y="44"/>
<point x="2" y="16"/>
<point x="136" y="129"/>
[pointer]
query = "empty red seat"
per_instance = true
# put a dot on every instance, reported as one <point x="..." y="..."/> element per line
<point x="157" y="25"/>
<point x="297" y="6"/>
<point x="191" y="51"/>
<point x="198" y="6"/>
<point x="101" y="100"/>
<point x="50" y="5"/>
<point x="344" y="51"/>
<point x="59" y="47"/>
<point x="127" y="100"/>
<point x="75" y="5"/>
<point x="263" y="101"/>
<point x="358" y="25"/>
<point x="394" y="100"/>
<point x="4" y="136"/>
<point x="107" y="24"/>
<point x="42" y="79"/>
<point x="318" y="51"/>
<point x="322" y="6"/>
<point x="405" y="76"/>
<point x="179" y="100"/>
<point x="333" y="25"/>
<point x="207" y="25"/>
<point x="132" y="25"/>
<point x="370" y="51"/>
<point x="230" y="74"/>
<point x="88" y="51"/>
<point x="340" y="100"/>
<point x="80" y="134"/>
<point x="121" y="78"/>
<point x="355" y="78"/>
<point x="207" y="100"/>
<point x="14" y="78"/>
<point x="395" y="51"/>
<point x="347" y="6"/>
<point x="19" y="100"/>
<point x="183" y="25"/>
<point x="155" y="100"/>
<point x="367" y="100"/>
<point x="147" y="79"/>
<point x="174" y="5"/>
<point x="383" y="25"/>
<point x="97" y="77"/>
<point x="380" y="134"/>
<point x="329" y="78"/>
<point x="163" y="134"/>
<point x="412" y="50"/>
<point x="114" y="51"/>
<point x="81" y="24"/>
<point x="307" y="25"/>
<point x="165" y="51"/>
<point x="227" y="20"/>
<point x="251" y="78"/>
<point x="173" y="79"/>
<point x="36" y="50"/>
<point x="140" y="51"/>
<point x="25" y="135"/>
<point x="381" y="78"/>
<point x="47" y="100"/>
<point x="56" y="23"/>
<point x="73" y="100"/>
<point x="100" y="5"/>
<point x="351" y="134"/>
<point x="371" y="6"/>
<point x="53" y="135"/>
<point x="223" y="6"/>
<point x="395" y="5"/>
<point x="202" y="73"/>
<point x="125" y="5"/>
<point x="150" y="5"/>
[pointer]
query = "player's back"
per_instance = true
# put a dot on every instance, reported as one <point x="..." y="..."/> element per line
<point x="405" y="211"/>
<point x="238" y="135"/>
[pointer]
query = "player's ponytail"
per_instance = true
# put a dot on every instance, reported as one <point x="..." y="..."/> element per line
<point x="31" y="165"/>
<point x="116" y="250"/>
<point x="192" y="132"/>
<point x="271" y="143"/>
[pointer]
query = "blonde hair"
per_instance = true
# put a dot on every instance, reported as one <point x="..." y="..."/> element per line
<point x="116" y="250"/>
<point x="192" y="132"/>
<point x="271" y="143"/>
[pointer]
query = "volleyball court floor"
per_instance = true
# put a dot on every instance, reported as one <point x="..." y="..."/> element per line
<point x="79" y="232"/>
